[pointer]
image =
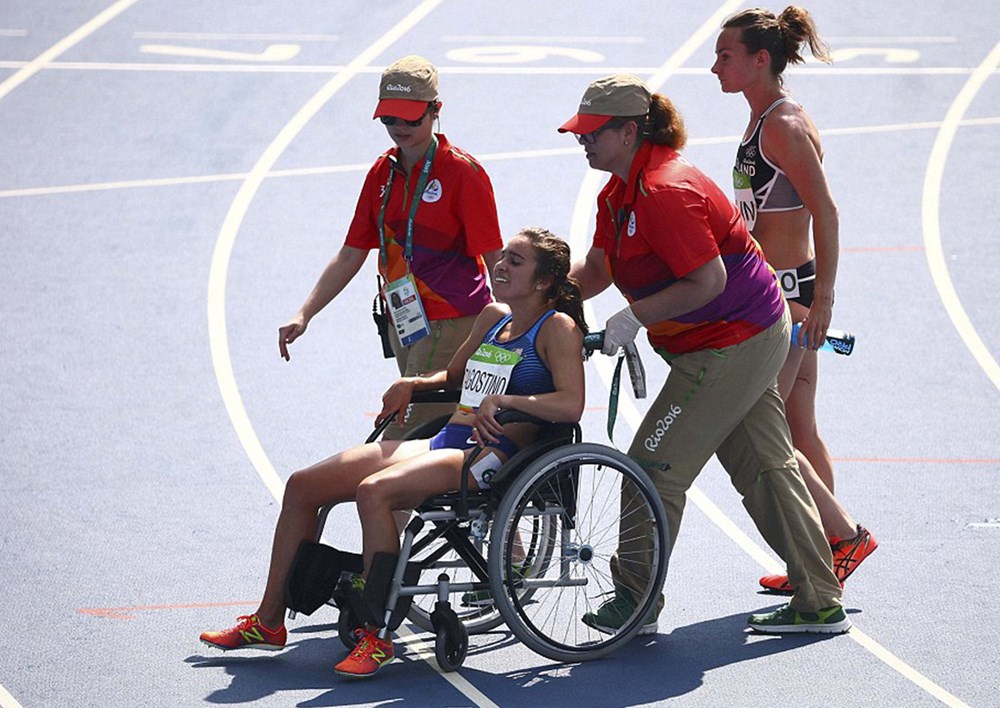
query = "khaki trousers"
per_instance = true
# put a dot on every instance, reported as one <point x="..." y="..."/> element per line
<point x="726" y="402"/>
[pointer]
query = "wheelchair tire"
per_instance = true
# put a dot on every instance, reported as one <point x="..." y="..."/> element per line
<point x="580" y="487"/>
<point x="346" y="626"/>
<point x="451" y="647"/>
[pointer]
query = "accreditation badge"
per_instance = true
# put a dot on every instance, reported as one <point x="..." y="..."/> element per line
<point x="407" y="310"/>
<point x="487" y="373"/>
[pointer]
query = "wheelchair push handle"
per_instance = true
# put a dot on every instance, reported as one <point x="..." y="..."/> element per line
<point x="593" y="342"/>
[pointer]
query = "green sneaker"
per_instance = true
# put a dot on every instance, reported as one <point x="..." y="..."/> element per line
<point x="829" y="620"/>
<point x="484" y="598"/>
<point x="614" y="613"/>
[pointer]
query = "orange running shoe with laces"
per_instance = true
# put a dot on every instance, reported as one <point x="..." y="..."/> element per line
<point x="847" y="556"/>
<point x="370" y="655"/>
<point x="248" y="633"/>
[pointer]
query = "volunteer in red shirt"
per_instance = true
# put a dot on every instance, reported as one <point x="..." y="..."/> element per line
<point x="427" y="208"/>
<point x="681" y="254"/>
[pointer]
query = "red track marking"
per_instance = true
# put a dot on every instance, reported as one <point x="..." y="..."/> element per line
<point x="124" y="612"/>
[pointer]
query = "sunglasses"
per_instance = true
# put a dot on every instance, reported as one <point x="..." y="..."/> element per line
<point x="391" y="120"/>
<point x="591" y="138"/>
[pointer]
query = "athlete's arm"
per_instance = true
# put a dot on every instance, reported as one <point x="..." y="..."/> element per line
<point x="793" y="145"/>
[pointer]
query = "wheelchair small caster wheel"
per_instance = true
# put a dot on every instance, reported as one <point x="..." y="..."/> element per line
<point x="347" y="626"/>
<point x="451" y="645"/>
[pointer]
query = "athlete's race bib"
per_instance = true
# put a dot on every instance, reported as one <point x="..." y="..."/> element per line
<point x="744" y="198"/>
<point x="407" y="310"/>
<point x="789" y="282"/>
<point x="487" y="373"/>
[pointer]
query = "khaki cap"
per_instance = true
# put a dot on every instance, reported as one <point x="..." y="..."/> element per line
<point x="618" y="95"/>
<point x="407" y="86"/>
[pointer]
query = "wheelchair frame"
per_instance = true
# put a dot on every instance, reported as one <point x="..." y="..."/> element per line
<point x="540" y="542"/>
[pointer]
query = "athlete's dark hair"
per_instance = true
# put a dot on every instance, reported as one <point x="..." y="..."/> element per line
<point x="782" y="36"/>
<point x="554" y="262"/>
<point x="663" y="125"/>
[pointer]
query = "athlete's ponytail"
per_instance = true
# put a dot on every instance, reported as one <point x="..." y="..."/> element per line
<point x="554" y="263"/>
<point x="782" y="36"/>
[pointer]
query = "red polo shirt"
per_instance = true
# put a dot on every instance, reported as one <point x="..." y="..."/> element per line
<point x="669" y="220"/>
<point x="456" y="223"/>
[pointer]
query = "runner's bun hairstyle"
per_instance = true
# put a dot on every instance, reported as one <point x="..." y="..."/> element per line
<point x="554" y="262"/>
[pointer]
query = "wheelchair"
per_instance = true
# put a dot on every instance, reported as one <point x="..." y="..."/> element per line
<point x="533" y="551"/>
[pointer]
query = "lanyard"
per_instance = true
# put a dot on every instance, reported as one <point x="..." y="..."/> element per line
<point x="414" y="203"/>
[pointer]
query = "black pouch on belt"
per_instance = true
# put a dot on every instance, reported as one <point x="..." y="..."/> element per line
<point x="382" y="321"/>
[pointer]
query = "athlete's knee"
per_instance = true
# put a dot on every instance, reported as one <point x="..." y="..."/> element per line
<point x="298" y="491"/>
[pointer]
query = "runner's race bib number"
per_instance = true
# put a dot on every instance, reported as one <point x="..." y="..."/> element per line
<point x="487" y="373"/>
<point x="744" y="198"/>
<point x="789" y="282"/>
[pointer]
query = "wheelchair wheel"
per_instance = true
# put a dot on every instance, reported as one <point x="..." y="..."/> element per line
<point x="451" y="647"/>
<point x="477" y="611"/>
<point x="593" y="494"/>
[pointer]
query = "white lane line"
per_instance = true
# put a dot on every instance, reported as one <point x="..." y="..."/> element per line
<point x="891" y="40"/>
<point x="24" y="73"/>
<point x="540" y="39"/>
<point x="932" y="217"/>
<point x="7" y="700"/>
<point x="579" y="242"/>
<point x="802" y="70"/>
<point x="234" y="36"/>
<point x="271" y="53"/>
<point x="218" y="337"/>
<point x="40" y="62"/>
<point x="484" y="158"/>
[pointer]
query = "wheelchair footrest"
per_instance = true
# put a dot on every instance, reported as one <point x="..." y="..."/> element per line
<point x="314" y="575"/>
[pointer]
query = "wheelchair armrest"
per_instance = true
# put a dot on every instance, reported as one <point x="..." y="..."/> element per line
<point x="439" y="396"/>
<point x="510" y="415"/>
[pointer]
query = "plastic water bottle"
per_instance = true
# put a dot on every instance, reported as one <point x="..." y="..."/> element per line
<point x="837" y="340"/>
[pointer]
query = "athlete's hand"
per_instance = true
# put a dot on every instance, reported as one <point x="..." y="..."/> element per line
<point x="288" y="333"/>
<point x="485" y="428"/>
<point x="621" y="329"/>
<point x="396" y="400"/>
<point x="815" y="325"/>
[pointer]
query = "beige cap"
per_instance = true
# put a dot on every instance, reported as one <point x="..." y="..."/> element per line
<point x="407" y="86"/>
<point x="618" y="95"/>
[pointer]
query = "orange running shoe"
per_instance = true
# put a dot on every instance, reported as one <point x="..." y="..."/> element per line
<point x="370" y="655"/>
<point x="847" y="556"/>
<point x="248" y="633"/>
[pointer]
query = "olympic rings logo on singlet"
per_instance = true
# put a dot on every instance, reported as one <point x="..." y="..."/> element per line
<point x="487" y="373"/>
